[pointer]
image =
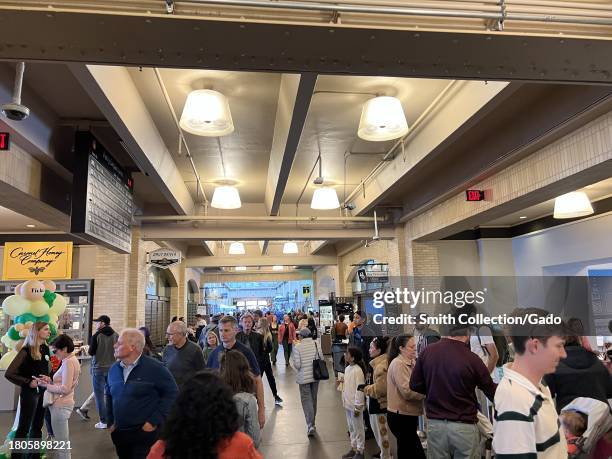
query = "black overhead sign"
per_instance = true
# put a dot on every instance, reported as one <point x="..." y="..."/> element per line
<point x="102" y="196"/>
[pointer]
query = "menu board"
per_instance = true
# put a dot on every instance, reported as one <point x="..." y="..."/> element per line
<point x="102" y="198"/>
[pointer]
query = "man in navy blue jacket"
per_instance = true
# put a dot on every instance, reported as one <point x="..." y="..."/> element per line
<point x="140" y="392"/>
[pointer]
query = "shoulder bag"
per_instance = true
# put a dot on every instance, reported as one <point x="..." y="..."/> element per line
<point x="319" y="367"/>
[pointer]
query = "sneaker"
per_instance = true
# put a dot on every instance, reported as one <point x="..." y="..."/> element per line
<point x="350" y="455"/>
<point x="101" y="425"/>
<point x="278" y="400"/>
<point x="311" y="431"/>
<point x="358" y="455"/>
<point x="83" y="414"/>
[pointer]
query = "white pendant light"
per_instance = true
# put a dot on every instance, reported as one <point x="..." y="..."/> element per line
<point x="290" y="247"/>
<point x="241" y="268"/>
<point x="207" y="113"/>
<point x="325" y="198"/>
<point x="277" y="268"/>
<point x="236" y="248"/>
<point x="226" y="197"/>
<point x="382" y="118"/>
<point x="572" y="205"/>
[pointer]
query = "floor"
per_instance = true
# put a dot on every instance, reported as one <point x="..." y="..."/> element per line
<point x="284" y="435"/>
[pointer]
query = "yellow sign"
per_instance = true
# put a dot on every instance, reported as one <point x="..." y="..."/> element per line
<point x="37" y="260"/>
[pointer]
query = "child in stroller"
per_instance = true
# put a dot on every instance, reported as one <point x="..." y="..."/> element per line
<point x="586" y="422"/>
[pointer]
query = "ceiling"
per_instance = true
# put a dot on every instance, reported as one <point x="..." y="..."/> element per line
<point x="11" y="222"/>
<point x="331" y="125"/>
<point x="595" y="192"/>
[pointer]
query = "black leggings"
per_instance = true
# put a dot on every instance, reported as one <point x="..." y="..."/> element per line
<point x="405" y="430"/>
<point x="266" y="367"/>
<point x="31" y="418"/>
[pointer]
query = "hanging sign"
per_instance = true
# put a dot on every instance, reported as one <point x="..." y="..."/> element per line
<point x="37" y="260"/>
<point x="306" y="290"/>
<point x="165" y="258"/>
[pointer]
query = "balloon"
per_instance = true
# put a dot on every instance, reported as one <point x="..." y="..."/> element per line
<point x="8" y="342"/>
<point x="49" y="297"/>
<point x="13" y="334"/>
<point x="15" y="305"/>
<point x="59" y="305"/>
<point x="33" y="290"/>
<point x="53" y="330"/>
<point x="23" y="318"/>
<point x="52" y="317"/>
<point x="18" y="290"/>
<point x="49" y="285"/>
<point x="7" y="358"/>
<point x="39" y="308"/>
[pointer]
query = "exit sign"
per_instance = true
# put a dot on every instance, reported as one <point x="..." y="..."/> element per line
<point x="5" y="141"/>
<point x="474" y="195"/>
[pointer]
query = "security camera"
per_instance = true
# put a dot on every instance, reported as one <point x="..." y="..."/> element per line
<point x="15" y="112"/>
<point x="349" y="206"/>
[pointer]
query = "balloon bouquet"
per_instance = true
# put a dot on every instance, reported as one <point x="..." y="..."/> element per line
<point x="33" y="301"/>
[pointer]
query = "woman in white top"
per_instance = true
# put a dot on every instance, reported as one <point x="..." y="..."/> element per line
<point x="61" y="392"/>
<point x="301" y="359"/>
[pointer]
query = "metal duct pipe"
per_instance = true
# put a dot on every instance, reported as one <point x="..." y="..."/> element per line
<point x="180" y="132"/>
<point x="243" y="218"/>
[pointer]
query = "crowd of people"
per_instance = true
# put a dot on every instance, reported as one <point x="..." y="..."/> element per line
<point x="203" y="395"/>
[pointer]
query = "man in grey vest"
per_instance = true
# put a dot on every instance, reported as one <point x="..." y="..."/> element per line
<point x="101" y="348"/>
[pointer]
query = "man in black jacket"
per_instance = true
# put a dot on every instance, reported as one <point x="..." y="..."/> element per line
<point x="101" y="348"/>
<point x="255" y="342"/>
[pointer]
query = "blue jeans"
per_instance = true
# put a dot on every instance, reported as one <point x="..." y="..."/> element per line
<point x="99" y="383"/>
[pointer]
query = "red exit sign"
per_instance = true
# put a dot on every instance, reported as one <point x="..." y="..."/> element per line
<point x="5" y="141"/>
<point x="475" y="195"/>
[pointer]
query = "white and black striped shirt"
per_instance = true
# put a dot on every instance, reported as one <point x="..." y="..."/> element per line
<point x="526" y="424"/>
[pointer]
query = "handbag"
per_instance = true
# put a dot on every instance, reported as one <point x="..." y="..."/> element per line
<point x="319" y="367"/>
<point x="48" y="399"/>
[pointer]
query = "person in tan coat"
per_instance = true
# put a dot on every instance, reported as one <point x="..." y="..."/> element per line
<point x="404" y="406"/>
<point x="377" y="398"/>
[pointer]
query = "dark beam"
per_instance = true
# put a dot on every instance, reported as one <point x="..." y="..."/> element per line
<point x="196" y="43"/>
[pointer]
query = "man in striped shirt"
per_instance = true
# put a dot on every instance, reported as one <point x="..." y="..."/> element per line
<point x="527" y="425"/>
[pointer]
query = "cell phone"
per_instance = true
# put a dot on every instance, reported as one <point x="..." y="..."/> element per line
<point x="360" y="387"/>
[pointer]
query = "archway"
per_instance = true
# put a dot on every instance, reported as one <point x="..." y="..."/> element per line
<point x="161" y="286"/>
<point x="192" y="300"/>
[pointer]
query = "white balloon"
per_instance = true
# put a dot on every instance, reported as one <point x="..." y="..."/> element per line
<point x="59" y="305"/>
<point x="15" y="305"/>
<point x="39" y="308"/>
<point x="6" y="359"/>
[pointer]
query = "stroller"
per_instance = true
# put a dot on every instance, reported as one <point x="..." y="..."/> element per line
<point x="599" y="422"/>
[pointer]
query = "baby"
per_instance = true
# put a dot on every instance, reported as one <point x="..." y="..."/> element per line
<point x="574" y="425"/>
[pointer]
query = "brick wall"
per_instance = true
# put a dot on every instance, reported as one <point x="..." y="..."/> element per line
<point x="111" y="286"/>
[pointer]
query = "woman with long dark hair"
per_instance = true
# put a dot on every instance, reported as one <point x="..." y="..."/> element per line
<point x="236" y="373"/>
<point x="404" y="406"/>
<point x="203" y="424"/>
<point x="31" y="362"/>
<point x="376" y="392"/>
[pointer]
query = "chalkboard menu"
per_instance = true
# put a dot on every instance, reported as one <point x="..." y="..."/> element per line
<point x="102" y="197"/>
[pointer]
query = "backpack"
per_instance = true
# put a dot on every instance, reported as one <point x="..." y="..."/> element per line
<point x="501" y="344"/>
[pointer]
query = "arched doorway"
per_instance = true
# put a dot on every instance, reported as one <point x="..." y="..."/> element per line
<point x="157" y="303"/>
<point x="192" y="300"/>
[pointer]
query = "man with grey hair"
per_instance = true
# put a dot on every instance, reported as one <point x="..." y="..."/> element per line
<point x="182" y="357"/>
<point x="139" y="394"/>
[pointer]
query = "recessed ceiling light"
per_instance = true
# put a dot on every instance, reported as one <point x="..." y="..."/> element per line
<point x="523" y="217"/>
<point x="30" y="226"/>
<point x="241" y="268"/>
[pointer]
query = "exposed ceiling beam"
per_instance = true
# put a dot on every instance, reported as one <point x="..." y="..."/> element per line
<point x="213" y="262"/>
<point x="294" y="96"/>
<point x="115" y="93"/>
<point x="255" y="232"/>
<point x="163" y="40"/>
<point x="264" y="247"/>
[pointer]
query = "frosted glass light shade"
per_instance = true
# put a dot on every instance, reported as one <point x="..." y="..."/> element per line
<point x="325" y="198"/>
<point x="277" y="268"/>
<point x="572" y="205"/>
<point x="207" y="113"/>
<point x="382" y="118"/>
<point x="290" y="247"/>
<point x="226" y="197"/>
<point x="236" y="248"/>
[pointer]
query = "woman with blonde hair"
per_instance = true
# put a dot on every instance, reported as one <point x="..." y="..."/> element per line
<point x="266" y="367"/>
<point x="30" y="363"/>
<point x="211" y="343"/>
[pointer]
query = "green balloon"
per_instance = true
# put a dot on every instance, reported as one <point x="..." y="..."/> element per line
<point x="53" y="330"/>
<point x="27" y="317"/>
<point x="13" y="334"/>
<point x="49" y="297"/>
